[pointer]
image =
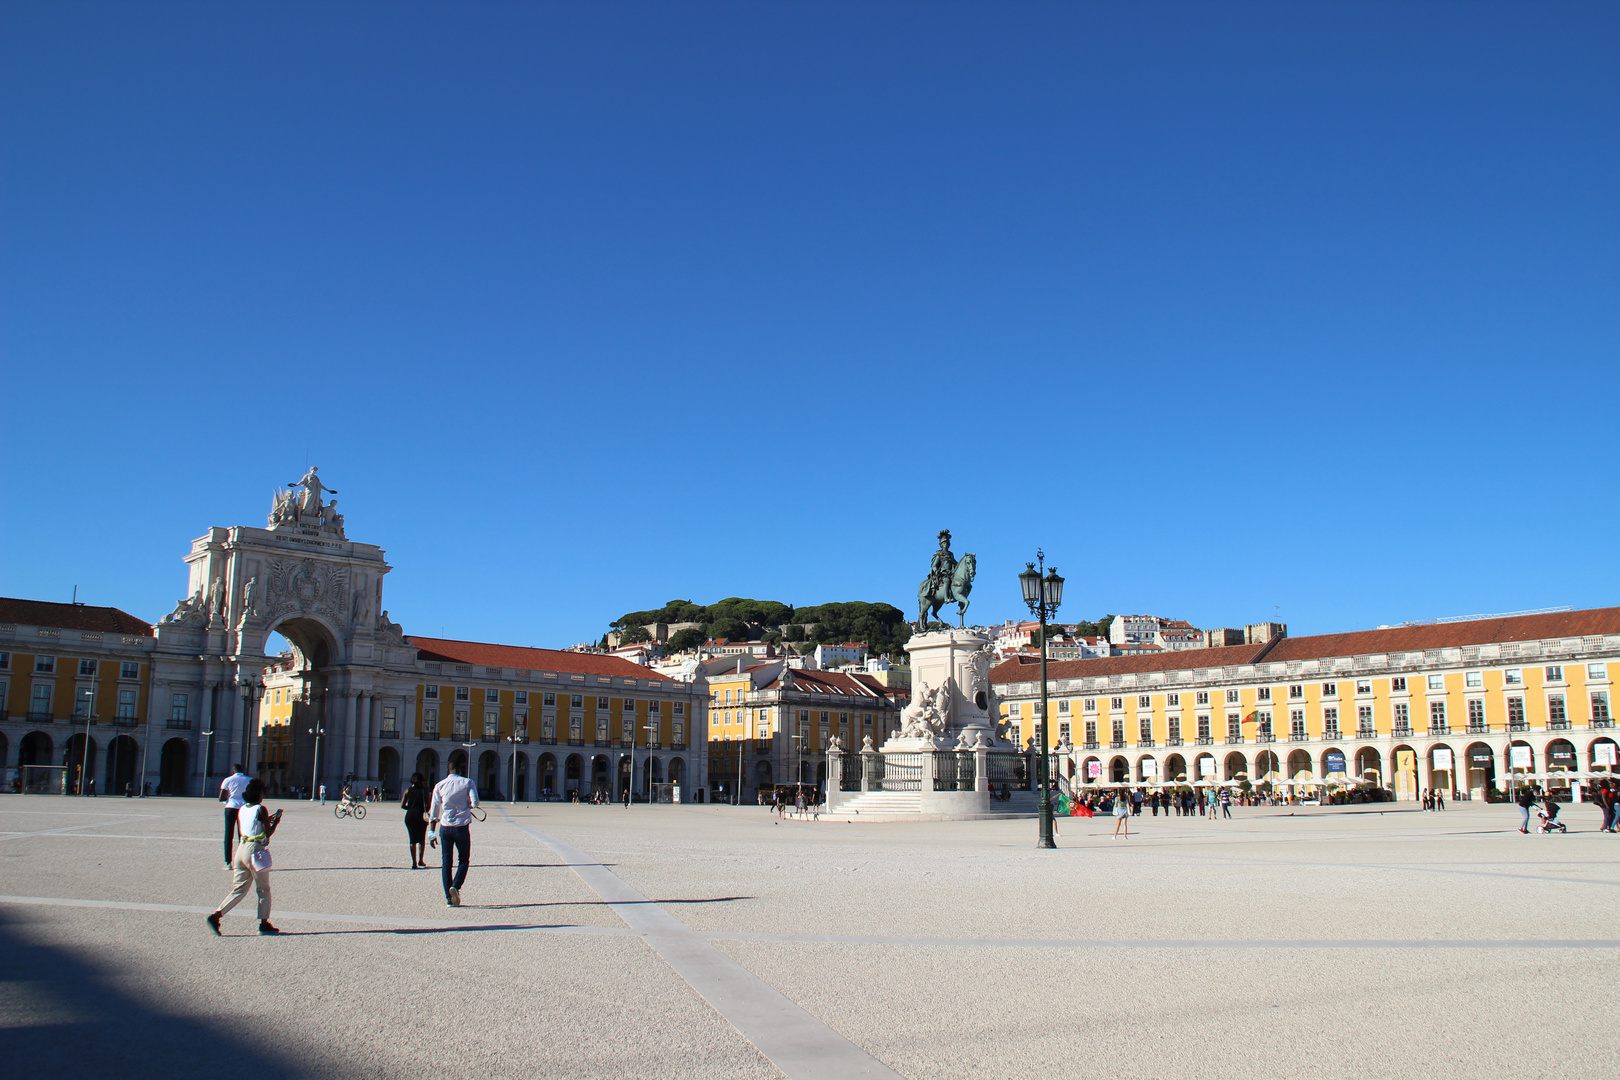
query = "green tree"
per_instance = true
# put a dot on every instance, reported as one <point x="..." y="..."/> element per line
<point x="686" y="638"/>
<point x="633" y="635"/>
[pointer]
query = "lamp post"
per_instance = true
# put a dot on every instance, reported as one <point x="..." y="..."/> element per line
<point x="1043" y="594"/>
<point x="84" y="767"/>
<point x="513" y="739"/>
<point x="208" y="756"/>
<point x="652" y="730"/>
<point x="315" y="767"/>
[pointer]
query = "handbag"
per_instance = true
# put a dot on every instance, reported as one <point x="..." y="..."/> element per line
<point x="260" y="859"/>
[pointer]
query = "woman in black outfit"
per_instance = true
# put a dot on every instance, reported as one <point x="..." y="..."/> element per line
<point x="415" y="806"/>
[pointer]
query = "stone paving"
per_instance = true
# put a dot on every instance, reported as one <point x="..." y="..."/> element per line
<point x="676" y="941"/>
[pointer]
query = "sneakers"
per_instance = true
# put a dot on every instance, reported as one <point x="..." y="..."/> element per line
<point x="266" y="928"/>
<point x="454" y="897"/>
<point x="1526" y="831"/>
<point x="213" y="923"/>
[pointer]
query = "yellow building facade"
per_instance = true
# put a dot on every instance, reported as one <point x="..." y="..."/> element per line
<point x="1457" y="706"/>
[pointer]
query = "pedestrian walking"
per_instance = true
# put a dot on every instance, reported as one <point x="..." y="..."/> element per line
<point x="1439" y="799"/>
<point x="1525" y="797"/>
<point x="450" y="816"/>
<point x="414" y="803"/>
<point x="1122" y="814"/>
<point x="230" y="793"/>
<point x="1226" y="802"/>
<point x="1136" y="802"/>
<point x="323" y="794"/>
<point x="251" y="862"/>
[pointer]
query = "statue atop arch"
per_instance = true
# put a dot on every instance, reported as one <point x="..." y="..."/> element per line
<point x="305" y="510"/>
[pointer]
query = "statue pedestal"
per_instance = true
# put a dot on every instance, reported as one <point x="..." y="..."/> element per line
<point x="958" y="660"/>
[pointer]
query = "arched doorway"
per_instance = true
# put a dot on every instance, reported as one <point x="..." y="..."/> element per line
<point x="1091" y="770"/>
<point x="75" y="759"/>
<point x="1403" y="770"/>
<point x="489" y="775"/>
<point x="427" y="763"/>
<point x="1521" y="759"/>
<point x="677" y="773"/>
<point x="1369" y="760"/>
<point x="548" y="775"/>
<point x="1443" y="768"/>
<point x="1236" y="766"/>
<point x="388" y="770"/>
<point x="520" y="787"/>
<point x="122" y="755"/>
<point x="1561" y="755"/>
<point x="599" y="774"/>
<point x="35" y="749"/>
<point x="172" y="766"/>
<point x="1119" y="771"/>
<point x="1299" y="765"/>
<point x="1175" y="767"/>
<point x="1481" y="769"/>
<point x="1267" y="769"/>
<point x="1603" y="753"/>
<point x="1333" y="761"/>
<point x="458" y="763"/>
<point x="1147" y="769"/>
<point x="762" y="775"/>
<point x="572" y="769"/>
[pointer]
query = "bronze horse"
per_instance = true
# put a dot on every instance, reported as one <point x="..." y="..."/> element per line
<point x="955" y="591"/>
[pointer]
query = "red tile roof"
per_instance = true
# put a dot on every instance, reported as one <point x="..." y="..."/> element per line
<point x="1592" y="622"/>
<point x="523" y="658"/>
<point x="836" y="682"/>
<point x="109" y="620"/>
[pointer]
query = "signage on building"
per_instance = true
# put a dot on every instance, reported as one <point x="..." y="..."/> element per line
<point x="1093" y="769"/>
<point x="1519" y="757"/>
<point x="1483" y="759"/>
<point x="1335" y="761"/>
<point x="1442" y="759"/>
<point x="1605" y="753"/>
<point x="1150" y="768"/>
<point x="1206" y="766"/>
<point x="1563" y="756"/>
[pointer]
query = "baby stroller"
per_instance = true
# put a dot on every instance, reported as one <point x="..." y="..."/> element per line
<point x="1549" y="819"/>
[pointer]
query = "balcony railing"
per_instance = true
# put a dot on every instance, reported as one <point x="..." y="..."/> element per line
<point x="1172" y="742"/>
<point x="1265" y="736"/>
<point x="1518" y="725"/>
<point x="1366" y="733"/>
<point x="1558" y="725"/>
<point x="1605" y="722"/>
<point x="1402" y="731"/>
<point x="39" y="717"/>
<point x="1298" y="736"/>
<point x="1233" y="740"/>
<point x="178" y="725"/>
<point x="124" y="721"/>
<point x="1478" y="727"/>
<point x="1117" y="744"/>
<point x="1439" y="729"/>
<point x="388" y="733"/>
<point x="430" y="736"/>
<point x="1144" y="742"/>
<point x="1092" y="745"/>
<point x="1206" y="740"/>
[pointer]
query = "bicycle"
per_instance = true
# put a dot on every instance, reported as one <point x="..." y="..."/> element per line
<point x="349" y="809"/>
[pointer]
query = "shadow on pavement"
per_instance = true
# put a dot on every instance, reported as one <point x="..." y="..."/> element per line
<point x="603" y="903"/>
<point x="86" y="1027"/>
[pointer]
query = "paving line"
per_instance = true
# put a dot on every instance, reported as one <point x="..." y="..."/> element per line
<point x="768" y="937"/>
<point x="67" y="829"/>
<point x="317" y="916"/>
<point x="798" y="1044"/>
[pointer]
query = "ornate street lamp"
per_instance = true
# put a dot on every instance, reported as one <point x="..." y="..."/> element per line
<point x="1043" y="594"/>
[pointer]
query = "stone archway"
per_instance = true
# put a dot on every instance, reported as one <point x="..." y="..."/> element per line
<point x="35" y="749"/>
<point x="1604" y="753"/>
<point x="1480" y="761"/>
<point x="573" y="772"/>
<point x="75" y="758"/>
<point x="520" y="786"/>
<point x="489" y="775"/>
<point x="1236" y="766"/>
<point x="547" y="774"/>
<point x="1175" y="767"/>
<point x="427" y="763"/>
<point x="122" y="755"/>
<point x="388" y="770"/>
<point x="172" y="765"/>
<point x="1299" y="765"/>
<point x="1119" y="770"/>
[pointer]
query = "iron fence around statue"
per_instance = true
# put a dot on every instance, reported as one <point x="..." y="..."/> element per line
<point x="902" y="772"/>
<point x="849" y="772"/>
<point x="954" y="771"/>
<point x="1007" y="770"/>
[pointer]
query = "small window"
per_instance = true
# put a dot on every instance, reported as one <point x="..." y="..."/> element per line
<point x="1600" y="706"/>
<point x="629" y="704"/>
<point x="1437" y="714"/>
<point x="463" y="693"/>
<point x="1555" y="708"/>
<point x="1173" y="699"/>
<point x="1297" y="690"/>
<point x="1513" y="677"/>
<point x="1063" y="706"/>
<point x="655" y="707"/>
<point x="1263" y="694"/>
<point x="1330" y="689"/>
<point x="1201" y="698"/>
<point x="1063" y="732"/>
<point x="577" y="701"/>
<point x="126" y="704"/>
<point x="1403" y="716"/>
<point x="1437" y="682"/>
<point x="177" y="709"/>
<point x="680" y="708"/>
<point x="5" y="661"/>
<point x="550" y="700"/>
<point x="1474" y="679"/>
<point x="1090" y="704"/>
<point x="1296" y="724"/>
<point x="1231" y="697"/>
<point x="1116" y="703"/>
<point x="1143" y="701"/>
<point x="492" y="696"/>
<point x="87" y="668"/>
<point x="1555" y="673"/>
<point x="1397" y="684"/>
<point x="1597" y="671"/>
<point x="1515" y="712"/>
<point x="1363" y="686"/>
<point x="430" y="692"/>
<point x="129" y="671"/>
<point x="520" y="697"/>
<point x="45" y="665"/>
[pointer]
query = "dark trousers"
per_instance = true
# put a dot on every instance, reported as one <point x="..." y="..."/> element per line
<point x="230" y="835"/>
<point x="459" y="838"/>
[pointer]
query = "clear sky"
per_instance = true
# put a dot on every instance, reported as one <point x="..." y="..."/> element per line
<point x="1237" y="310"/>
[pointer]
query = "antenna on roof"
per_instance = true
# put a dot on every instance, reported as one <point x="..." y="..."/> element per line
<point x="75" y="594"/>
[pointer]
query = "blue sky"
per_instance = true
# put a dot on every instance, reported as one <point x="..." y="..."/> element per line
<point x="1236" y="309"/>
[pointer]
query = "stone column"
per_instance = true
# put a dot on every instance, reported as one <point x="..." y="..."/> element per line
<point x="868" y="767"/>
<point x="981" y="768"/>
<point x="1426" y="768"/>
<point x="346" y="755"/>
<point x="202" y="744"/>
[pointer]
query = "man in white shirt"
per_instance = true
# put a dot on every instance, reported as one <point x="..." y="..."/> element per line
<point x="450" y="816"/>
<point x="230" y="793"/>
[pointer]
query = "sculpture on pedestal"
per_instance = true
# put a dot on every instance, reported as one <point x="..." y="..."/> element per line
<point x="292" y="507"/>
<point x="948" y="582"/>
<point x="928" y="714"/>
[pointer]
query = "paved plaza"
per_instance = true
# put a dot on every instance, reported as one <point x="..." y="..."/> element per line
<point x="711" y="941"/>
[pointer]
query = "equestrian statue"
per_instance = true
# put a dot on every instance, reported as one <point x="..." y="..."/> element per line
<point x="948" y="581"/>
